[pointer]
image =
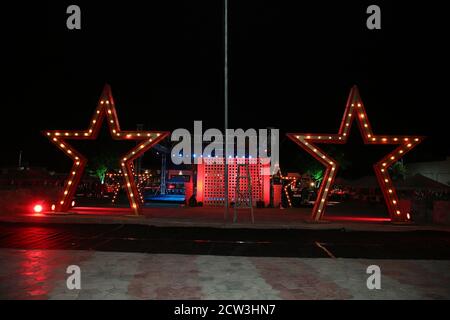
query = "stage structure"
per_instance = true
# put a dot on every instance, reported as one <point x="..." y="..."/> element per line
<point x="355" y="111"/>
<point x="210" y="180"/>
<point x="106" y="109"/>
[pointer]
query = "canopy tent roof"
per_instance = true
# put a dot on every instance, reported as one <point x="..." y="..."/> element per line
<point x="419" y="181"/>
<point x="415" y="182"/>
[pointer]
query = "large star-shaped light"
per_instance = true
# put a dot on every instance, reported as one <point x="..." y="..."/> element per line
<point x="355" y="111"/>
<point x="105" y="110"/>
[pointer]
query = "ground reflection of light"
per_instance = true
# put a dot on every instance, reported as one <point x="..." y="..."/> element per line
<point x="357" y="219"/>
<point x="37" y="214"/>
<point x="36" y="272"/>
<point x="101" y="211"/>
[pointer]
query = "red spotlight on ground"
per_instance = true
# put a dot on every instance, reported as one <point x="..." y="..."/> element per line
<point x="37" y="208"/>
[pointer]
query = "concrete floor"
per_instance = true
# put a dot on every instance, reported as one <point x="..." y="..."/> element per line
<point x="41" y="274"/>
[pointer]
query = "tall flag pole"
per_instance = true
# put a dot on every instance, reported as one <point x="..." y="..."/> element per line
<point x="226" y="106"/>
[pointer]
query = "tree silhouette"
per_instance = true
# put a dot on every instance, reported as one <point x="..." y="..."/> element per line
<point x="101" y="163"/>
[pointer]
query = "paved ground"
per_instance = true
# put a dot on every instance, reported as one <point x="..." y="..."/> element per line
<point x="144" y="262"/>
<point x="338" y="243"/>
<point x="41" y="274"/>
<point x="267" y="218"/>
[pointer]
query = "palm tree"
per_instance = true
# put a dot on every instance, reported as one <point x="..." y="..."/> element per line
<point x="398" y="171"/>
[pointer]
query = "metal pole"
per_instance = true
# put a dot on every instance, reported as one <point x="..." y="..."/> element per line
<point x="226" y="106"/>
<point x="269" y="151"/>
<point x="20" y="158"/>
<point x="162" y="188"/>
<point x="138" y="165"/>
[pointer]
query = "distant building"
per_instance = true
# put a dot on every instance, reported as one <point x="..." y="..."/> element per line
<point x="436" y="170"/>
<point x="29" y="177"/>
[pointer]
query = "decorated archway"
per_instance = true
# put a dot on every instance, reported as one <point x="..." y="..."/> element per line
<point x="355" y="111"/>
<point x="106" y="109"/>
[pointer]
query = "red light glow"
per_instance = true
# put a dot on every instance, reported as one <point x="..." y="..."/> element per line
<point x="358" y="219"/>
<point x="37" y="208"/>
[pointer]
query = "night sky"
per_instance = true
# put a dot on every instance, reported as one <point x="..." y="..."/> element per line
<point x="292" y="65"/>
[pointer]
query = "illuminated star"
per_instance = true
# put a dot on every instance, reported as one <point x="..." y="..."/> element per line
<point x="355" y="111"/>
<point x="105" y="110"/>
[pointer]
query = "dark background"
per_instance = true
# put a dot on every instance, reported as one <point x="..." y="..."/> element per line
<point x="292" y="64"/>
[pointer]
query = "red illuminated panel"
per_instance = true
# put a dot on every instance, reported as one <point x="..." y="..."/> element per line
<point x="210" y="180"/>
